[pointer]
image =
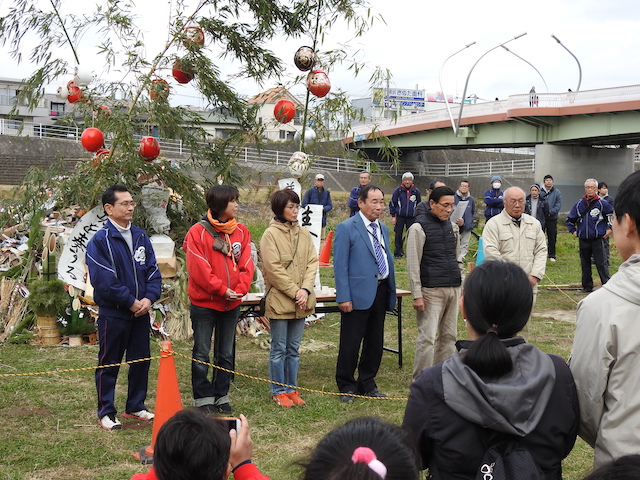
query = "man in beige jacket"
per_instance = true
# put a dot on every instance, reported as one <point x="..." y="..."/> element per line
<point x="513" y="236"/>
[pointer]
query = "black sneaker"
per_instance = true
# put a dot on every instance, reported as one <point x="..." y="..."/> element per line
<point x="208" y="409"/>
<point x="224" y="408"/>
<point x="374" y="393"/>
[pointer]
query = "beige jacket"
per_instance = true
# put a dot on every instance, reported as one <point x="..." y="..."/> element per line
<point x="525" y="246"/>
<point x="286" y="272"/>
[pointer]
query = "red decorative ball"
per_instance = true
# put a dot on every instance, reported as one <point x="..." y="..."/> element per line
<point x="284" y="111"/>
<point x="194" y="35"/>
<point x="318" y="83"/>
<point x="100" y="155"/>
<point x="182" y="72"/>
<point x="149" y="148"/>
<point x="75" y="94"/>
<point x="159" y="89"/>
<point x="92" y="139"/>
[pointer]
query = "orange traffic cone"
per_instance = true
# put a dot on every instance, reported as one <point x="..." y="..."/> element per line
<point x="168" y="400"/>
<point x="324" y="259"/>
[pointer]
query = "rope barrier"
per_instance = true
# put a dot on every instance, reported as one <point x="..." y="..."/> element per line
<point x="174" y="353"/>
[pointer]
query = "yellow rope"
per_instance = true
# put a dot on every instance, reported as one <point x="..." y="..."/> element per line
<point x="52" y="372"/>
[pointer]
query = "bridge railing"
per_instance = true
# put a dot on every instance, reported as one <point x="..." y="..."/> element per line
<point x="486" y="169"/>
<point x="564" y="99"/>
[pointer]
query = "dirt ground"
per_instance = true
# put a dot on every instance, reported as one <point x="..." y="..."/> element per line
<point x="562" y="315"/>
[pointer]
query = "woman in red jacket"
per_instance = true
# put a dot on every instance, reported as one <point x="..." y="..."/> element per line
<point x="220" y="273"/>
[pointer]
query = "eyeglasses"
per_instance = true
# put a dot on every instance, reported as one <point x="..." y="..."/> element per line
<point x="293" y="207"/>
<point x="446" y="206"/>
<point x="589" y="187"/>
<point x="126" y="204"/>
<point x="516" y="202"/>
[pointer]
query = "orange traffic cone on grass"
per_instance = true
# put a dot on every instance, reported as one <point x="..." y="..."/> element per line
<point x="168" y="400"/>
<point x="324" y="260"/>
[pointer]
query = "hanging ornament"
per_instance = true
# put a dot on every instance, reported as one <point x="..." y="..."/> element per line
<point x="284" y="111"/>
<point x="298" y="164"/>
<point x="318" y="83"/>
<point x="182" y="71"/>
<point x="99" y="156"/>
<point x="195" y="36"/>
<point x="149" y="148"/>
<point x="82" y="76"/>
<point x="305" y="59"/>
<point x="92" y="139"/>
<point x="159" y="90"/>
<point x="102" y="109"/>
<point x="62" y="93"/>
<point x="309" y="136"/>
<point x="75" y="93"/>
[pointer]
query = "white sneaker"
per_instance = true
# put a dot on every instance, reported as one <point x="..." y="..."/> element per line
<point x="141" y="415"/>
<point x="110" y="422"/>
<point x="552" y="259"/>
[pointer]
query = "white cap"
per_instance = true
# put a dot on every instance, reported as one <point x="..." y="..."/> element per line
<point x="319" y="176"/>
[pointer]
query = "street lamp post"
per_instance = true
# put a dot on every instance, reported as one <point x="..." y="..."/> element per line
<point x="466" y="84"/>
<point x="576" y="58"/>
<point x="446" y="102"/>
<point x="514" y="53"/>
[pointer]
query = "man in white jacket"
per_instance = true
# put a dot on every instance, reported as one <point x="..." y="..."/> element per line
<point x="605" y="360"/>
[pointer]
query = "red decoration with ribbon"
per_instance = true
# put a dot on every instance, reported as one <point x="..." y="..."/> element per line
<point x="318" y="83"/>
<point x="182" y="72"/>
<point x="159" y="89"/>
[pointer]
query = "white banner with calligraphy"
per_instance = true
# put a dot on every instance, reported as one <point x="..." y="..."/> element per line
<point x="71" y="266"/>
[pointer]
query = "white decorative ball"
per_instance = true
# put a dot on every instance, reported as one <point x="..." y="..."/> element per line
<point x="82" y="76"/>
<point x="309" y="136"/>
<point x="298" y="164"/>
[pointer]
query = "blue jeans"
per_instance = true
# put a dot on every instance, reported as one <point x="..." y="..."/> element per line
<point x="204" y="321"/>
<point x="284" y="357"/>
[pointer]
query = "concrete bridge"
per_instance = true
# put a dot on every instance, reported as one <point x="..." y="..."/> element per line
<point x="576" y="135"/>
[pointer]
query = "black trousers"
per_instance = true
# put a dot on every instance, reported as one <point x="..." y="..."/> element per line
<point x="401" y="224"/>
<point x="362" y="328"/>
<point x="595" y="248"/>
<point x="551" y="226"/>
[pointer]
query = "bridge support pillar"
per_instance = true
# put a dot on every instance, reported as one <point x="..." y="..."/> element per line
<point x="571" y="166"/>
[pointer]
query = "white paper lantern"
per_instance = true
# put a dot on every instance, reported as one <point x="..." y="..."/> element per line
<point x="298" y="164"/>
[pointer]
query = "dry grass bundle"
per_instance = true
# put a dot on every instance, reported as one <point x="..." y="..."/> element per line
<point x="16" y="309"/>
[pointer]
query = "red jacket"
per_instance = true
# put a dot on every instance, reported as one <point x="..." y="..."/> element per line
<point x="211" y="272"/>
<point x="248" y="471"/>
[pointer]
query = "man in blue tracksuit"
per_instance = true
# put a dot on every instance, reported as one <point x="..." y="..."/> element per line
<point x="589" y="220"/>
<point x="127" y="281"/>
<point x="402" y="208"/>
<point x="318" y="195"/>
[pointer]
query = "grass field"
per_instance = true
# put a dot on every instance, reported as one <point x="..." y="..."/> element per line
<point x="50" y="429"/>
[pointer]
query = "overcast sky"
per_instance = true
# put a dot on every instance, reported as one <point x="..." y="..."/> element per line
<point x="419" y="35"/>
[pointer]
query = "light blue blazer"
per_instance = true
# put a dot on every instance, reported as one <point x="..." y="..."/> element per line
<point x="355" y="267"/>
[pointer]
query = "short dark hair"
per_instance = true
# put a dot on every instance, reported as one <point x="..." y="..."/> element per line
<point x="440" y="192"/>
<point x="626" y="467"/>
<point x="496" y="295"/>
<point x="364" y="192"/>
<point x="628" y="199"/>
<point x="393" y="446"/>
<point x="547" y="176"/>
<point x="109" y="195"/>
<point x="433" y="183"/>
<point x="279" y="200"/>
<point x="602" y="184"/>
<point x="464" y="180"/>
<point x="191" y="445"/>
<point x="218" y="197"/>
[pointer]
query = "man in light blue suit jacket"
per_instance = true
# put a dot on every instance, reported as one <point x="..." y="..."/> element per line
<point x="365" y="290"/>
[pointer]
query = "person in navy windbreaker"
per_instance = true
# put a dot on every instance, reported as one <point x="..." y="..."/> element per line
<point x="402" y="208"/>
<point x="589" y="220"/>
<point x="318" y="195"/>
<point x="493" y="198"/>
<point x="127" y="281"/>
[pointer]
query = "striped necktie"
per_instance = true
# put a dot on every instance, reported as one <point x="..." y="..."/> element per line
<point x="377" y="248"/>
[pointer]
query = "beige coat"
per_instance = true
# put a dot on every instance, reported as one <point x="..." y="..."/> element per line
<point x="525" y="246"/>
<point x="285" y="272"/>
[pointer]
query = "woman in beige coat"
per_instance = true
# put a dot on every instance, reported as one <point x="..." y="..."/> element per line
<point x="289" y="263"/>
